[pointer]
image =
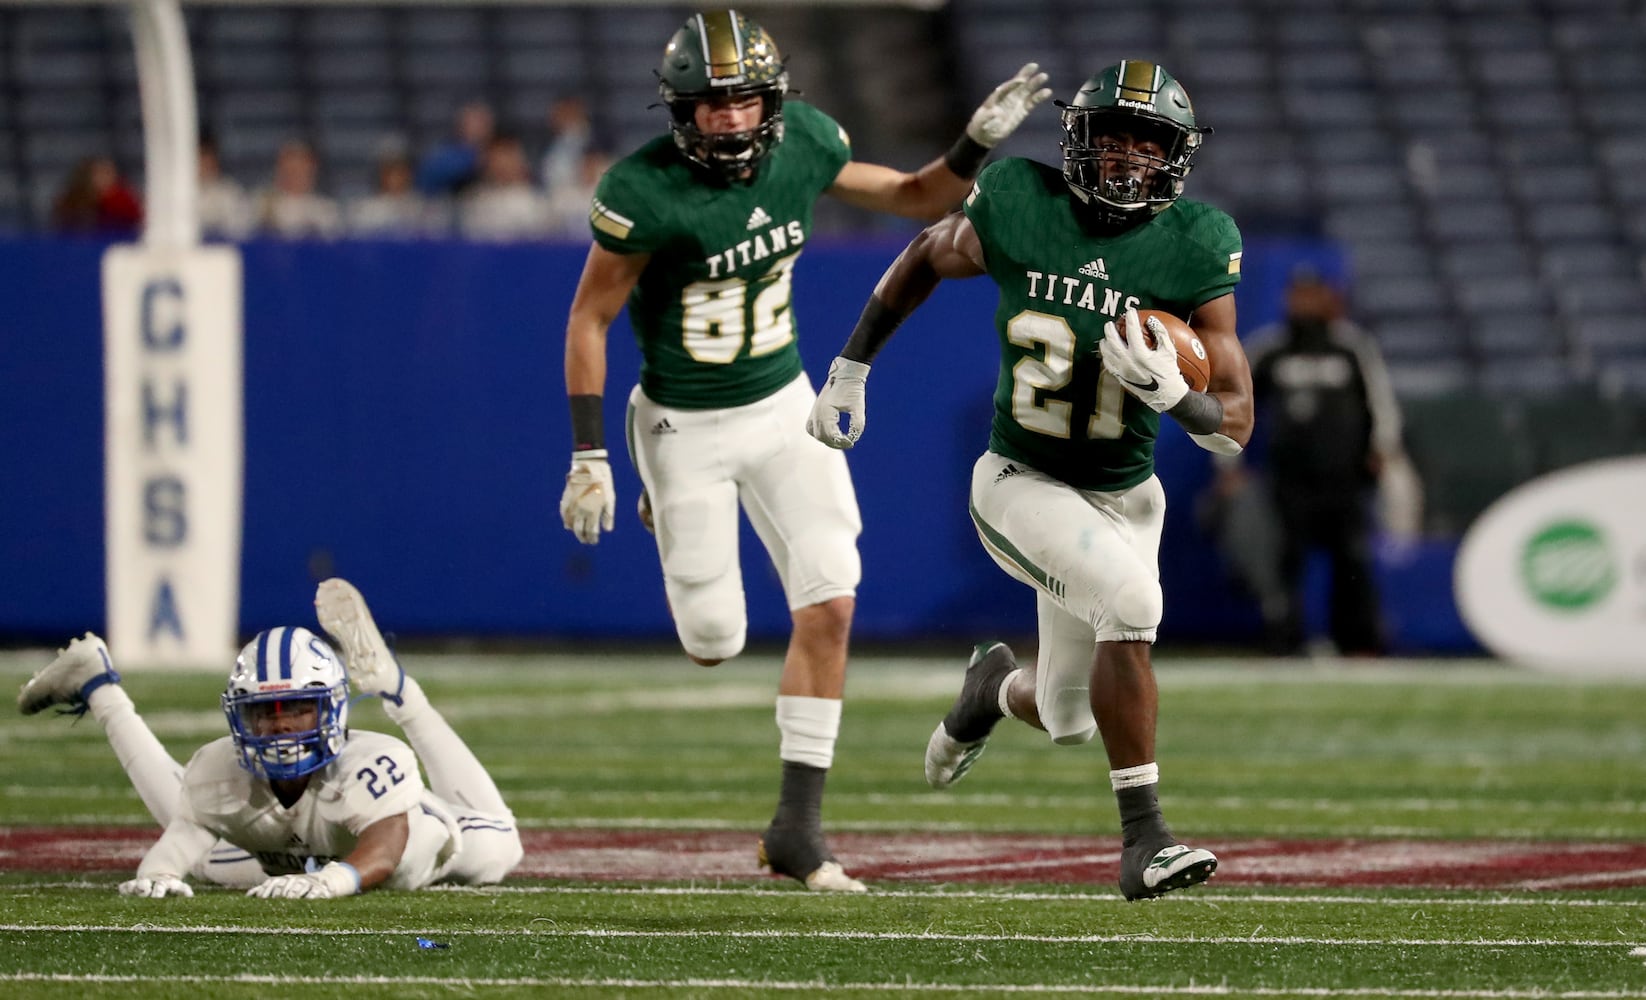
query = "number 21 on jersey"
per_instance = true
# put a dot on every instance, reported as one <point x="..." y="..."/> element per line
<point x="714" y="321"/>
<point x="1049" y="369"/>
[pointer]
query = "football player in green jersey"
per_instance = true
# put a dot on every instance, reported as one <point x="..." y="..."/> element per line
<point x="1065" y="499"/>
<point x="697" y="233"/>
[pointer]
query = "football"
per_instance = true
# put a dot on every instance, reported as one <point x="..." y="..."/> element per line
<point x="1191" y="353"/>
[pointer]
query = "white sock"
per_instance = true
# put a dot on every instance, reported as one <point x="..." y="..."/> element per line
<point x="413" y="702"/>
<point x="1003" y="698"/>
<point x="1134" y="777"/>
<point x="809" y="727"/>
<point x="455" y="773"/>
<point x="156" y="776"/>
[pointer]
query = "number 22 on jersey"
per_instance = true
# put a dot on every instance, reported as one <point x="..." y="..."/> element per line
<point x="1049" y="369"/>
<point x="715" y="320"/>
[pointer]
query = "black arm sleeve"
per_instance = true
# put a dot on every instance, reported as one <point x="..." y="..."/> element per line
<point x="588" y="429"/>
<point x="873" y="329"/>
<point x="966" y="156"/>
<point x="1198" y="412"/>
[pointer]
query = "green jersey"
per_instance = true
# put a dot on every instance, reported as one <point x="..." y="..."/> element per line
<point x="1055" y="407"/>
<point x="712" y="308"/>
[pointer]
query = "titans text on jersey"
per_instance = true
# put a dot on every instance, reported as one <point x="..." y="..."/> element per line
<point x="750" y="251"/>
<point x="1115" y="301"/>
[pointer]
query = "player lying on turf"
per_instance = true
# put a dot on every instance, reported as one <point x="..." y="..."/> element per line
<point x="290" y="803"/>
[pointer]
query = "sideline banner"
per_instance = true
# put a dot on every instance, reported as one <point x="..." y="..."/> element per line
<point x="1554" y="574"/>
<point x="174" y="454"/>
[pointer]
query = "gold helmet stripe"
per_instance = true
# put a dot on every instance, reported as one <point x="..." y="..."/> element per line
<point x="722" y="43"/>
<point x="1139" y="81"/>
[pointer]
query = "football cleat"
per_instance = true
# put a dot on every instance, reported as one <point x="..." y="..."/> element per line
<point x="1147" y="871"/>
<point x="80" y="668"/>
<point x="343" y="614"/>
<point x="959" y="739"/>
<point x="791" y="853"/>
<point x="643" y="507"/>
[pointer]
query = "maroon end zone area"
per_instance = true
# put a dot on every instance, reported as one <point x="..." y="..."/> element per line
<point x="729" y="856"/>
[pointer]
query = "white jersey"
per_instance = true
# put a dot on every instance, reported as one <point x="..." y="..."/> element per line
<point x="375" y="777"/>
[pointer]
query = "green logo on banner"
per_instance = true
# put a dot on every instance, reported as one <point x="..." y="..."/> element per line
<point x="1568" y="566"/>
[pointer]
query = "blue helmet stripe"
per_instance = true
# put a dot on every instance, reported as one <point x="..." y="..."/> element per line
<point x="285" y="653"/>
<point x="263" y="657"/>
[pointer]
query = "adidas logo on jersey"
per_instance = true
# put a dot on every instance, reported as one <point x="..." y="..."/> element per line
<point x="1008" y="472"/>
<point x="1095" y="269"/>
<point x="758" y="218"/>
<point x="663" y="427"/>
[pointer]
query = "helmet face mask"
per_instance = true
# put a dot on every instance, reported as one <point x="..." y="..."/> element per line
<point x="287" y="674"/>
<point x="1129" y="140"/>
<point x="722" y="56"/>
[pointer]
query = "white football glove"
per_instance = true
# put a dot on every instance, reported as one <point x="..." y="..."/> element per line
<point x="333" y="881"/>
<point x="589" y="502"/>
<point x="843" y="392"/>
<point x="1004" y="110"/>
<point x="156" y="887"/>
<point x="1149" y="373"/>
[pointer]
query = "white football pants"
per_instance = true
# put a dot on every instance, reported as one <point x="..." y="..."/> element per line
<point x="1093" y="560"/>
<point x="697" y="465"/>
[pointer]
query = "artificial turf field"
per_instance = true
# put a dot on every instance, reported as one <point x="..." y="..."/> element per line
<point x="1391" y="830"/>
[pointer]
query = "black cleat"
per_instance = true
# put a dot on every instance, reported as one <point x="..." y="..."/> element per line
<point x="801" y="856"/>
<point x="960" y="738"/>
<point x="1150" y="870"/>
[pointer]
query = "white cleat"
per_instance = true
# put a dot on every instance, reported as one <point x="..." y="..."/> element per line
<point x="948" y="759"/>
<point x="80" y="668"/>
<point x="830" y="877"/>
<point x="343" y="614"/>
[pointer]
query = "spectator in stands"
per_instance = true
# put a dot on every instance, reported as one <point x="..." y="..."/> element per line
<point x="291" y="207"/>
<point x="225" y="211"/>
<point x="695" y="234"/>
<point x="1332" y="427"/>
<point x="451" y="167"/>
<point x="397" y="209"/>
<point x="571" y="198"/>
<point x="97" y="200"/>
<point x="571" y="136"/>
<point x="504" y="205"/>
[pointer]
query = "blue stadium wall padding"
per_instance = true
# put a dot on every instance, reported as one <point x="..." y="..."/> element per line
<point x="407" y="428"/>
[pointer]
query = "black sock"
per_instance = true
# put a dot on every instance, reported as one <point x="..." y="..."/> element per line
<point x="1140" y="817"/>
<point x="800" y="803"/>
<point x="971" y="722"/>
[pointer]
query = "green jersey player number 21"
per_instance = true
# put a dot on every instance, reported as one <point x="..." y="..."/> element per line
<point x="697" y="234"/>
<point x="1065" y="499"/>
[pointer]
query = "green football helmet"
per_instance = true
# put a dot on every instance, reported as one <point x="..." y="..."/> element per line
<point x="1143" y="101"/>
<point x="722" y="54"/>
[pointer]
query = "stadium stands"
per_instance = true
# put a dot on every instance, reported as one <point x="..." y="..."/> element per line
<point x="1484" y="164"/>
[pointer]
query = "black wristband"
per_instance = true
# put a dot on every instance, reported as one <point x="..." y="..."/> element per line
<point x="588" y="428"/>
<point x="873" y="329"/>
<point x="966" y="156"/>
<point x="1198" y="412"/>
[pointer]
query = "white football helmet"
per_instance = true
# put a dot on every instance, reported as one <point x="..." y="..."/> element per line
<point x="287" y="671"/>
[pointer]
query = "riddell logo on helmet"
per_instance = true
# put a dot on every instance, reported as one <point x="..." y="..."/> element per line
<point x="1139" y="105"/>
<point x="728" y="81"/>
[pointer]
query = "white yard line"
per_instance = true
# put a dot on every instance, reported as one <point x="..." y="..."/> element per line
<point x="810" y="935"/>
<point x="819" y="986"/>
<point x="1005" y="896"/>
